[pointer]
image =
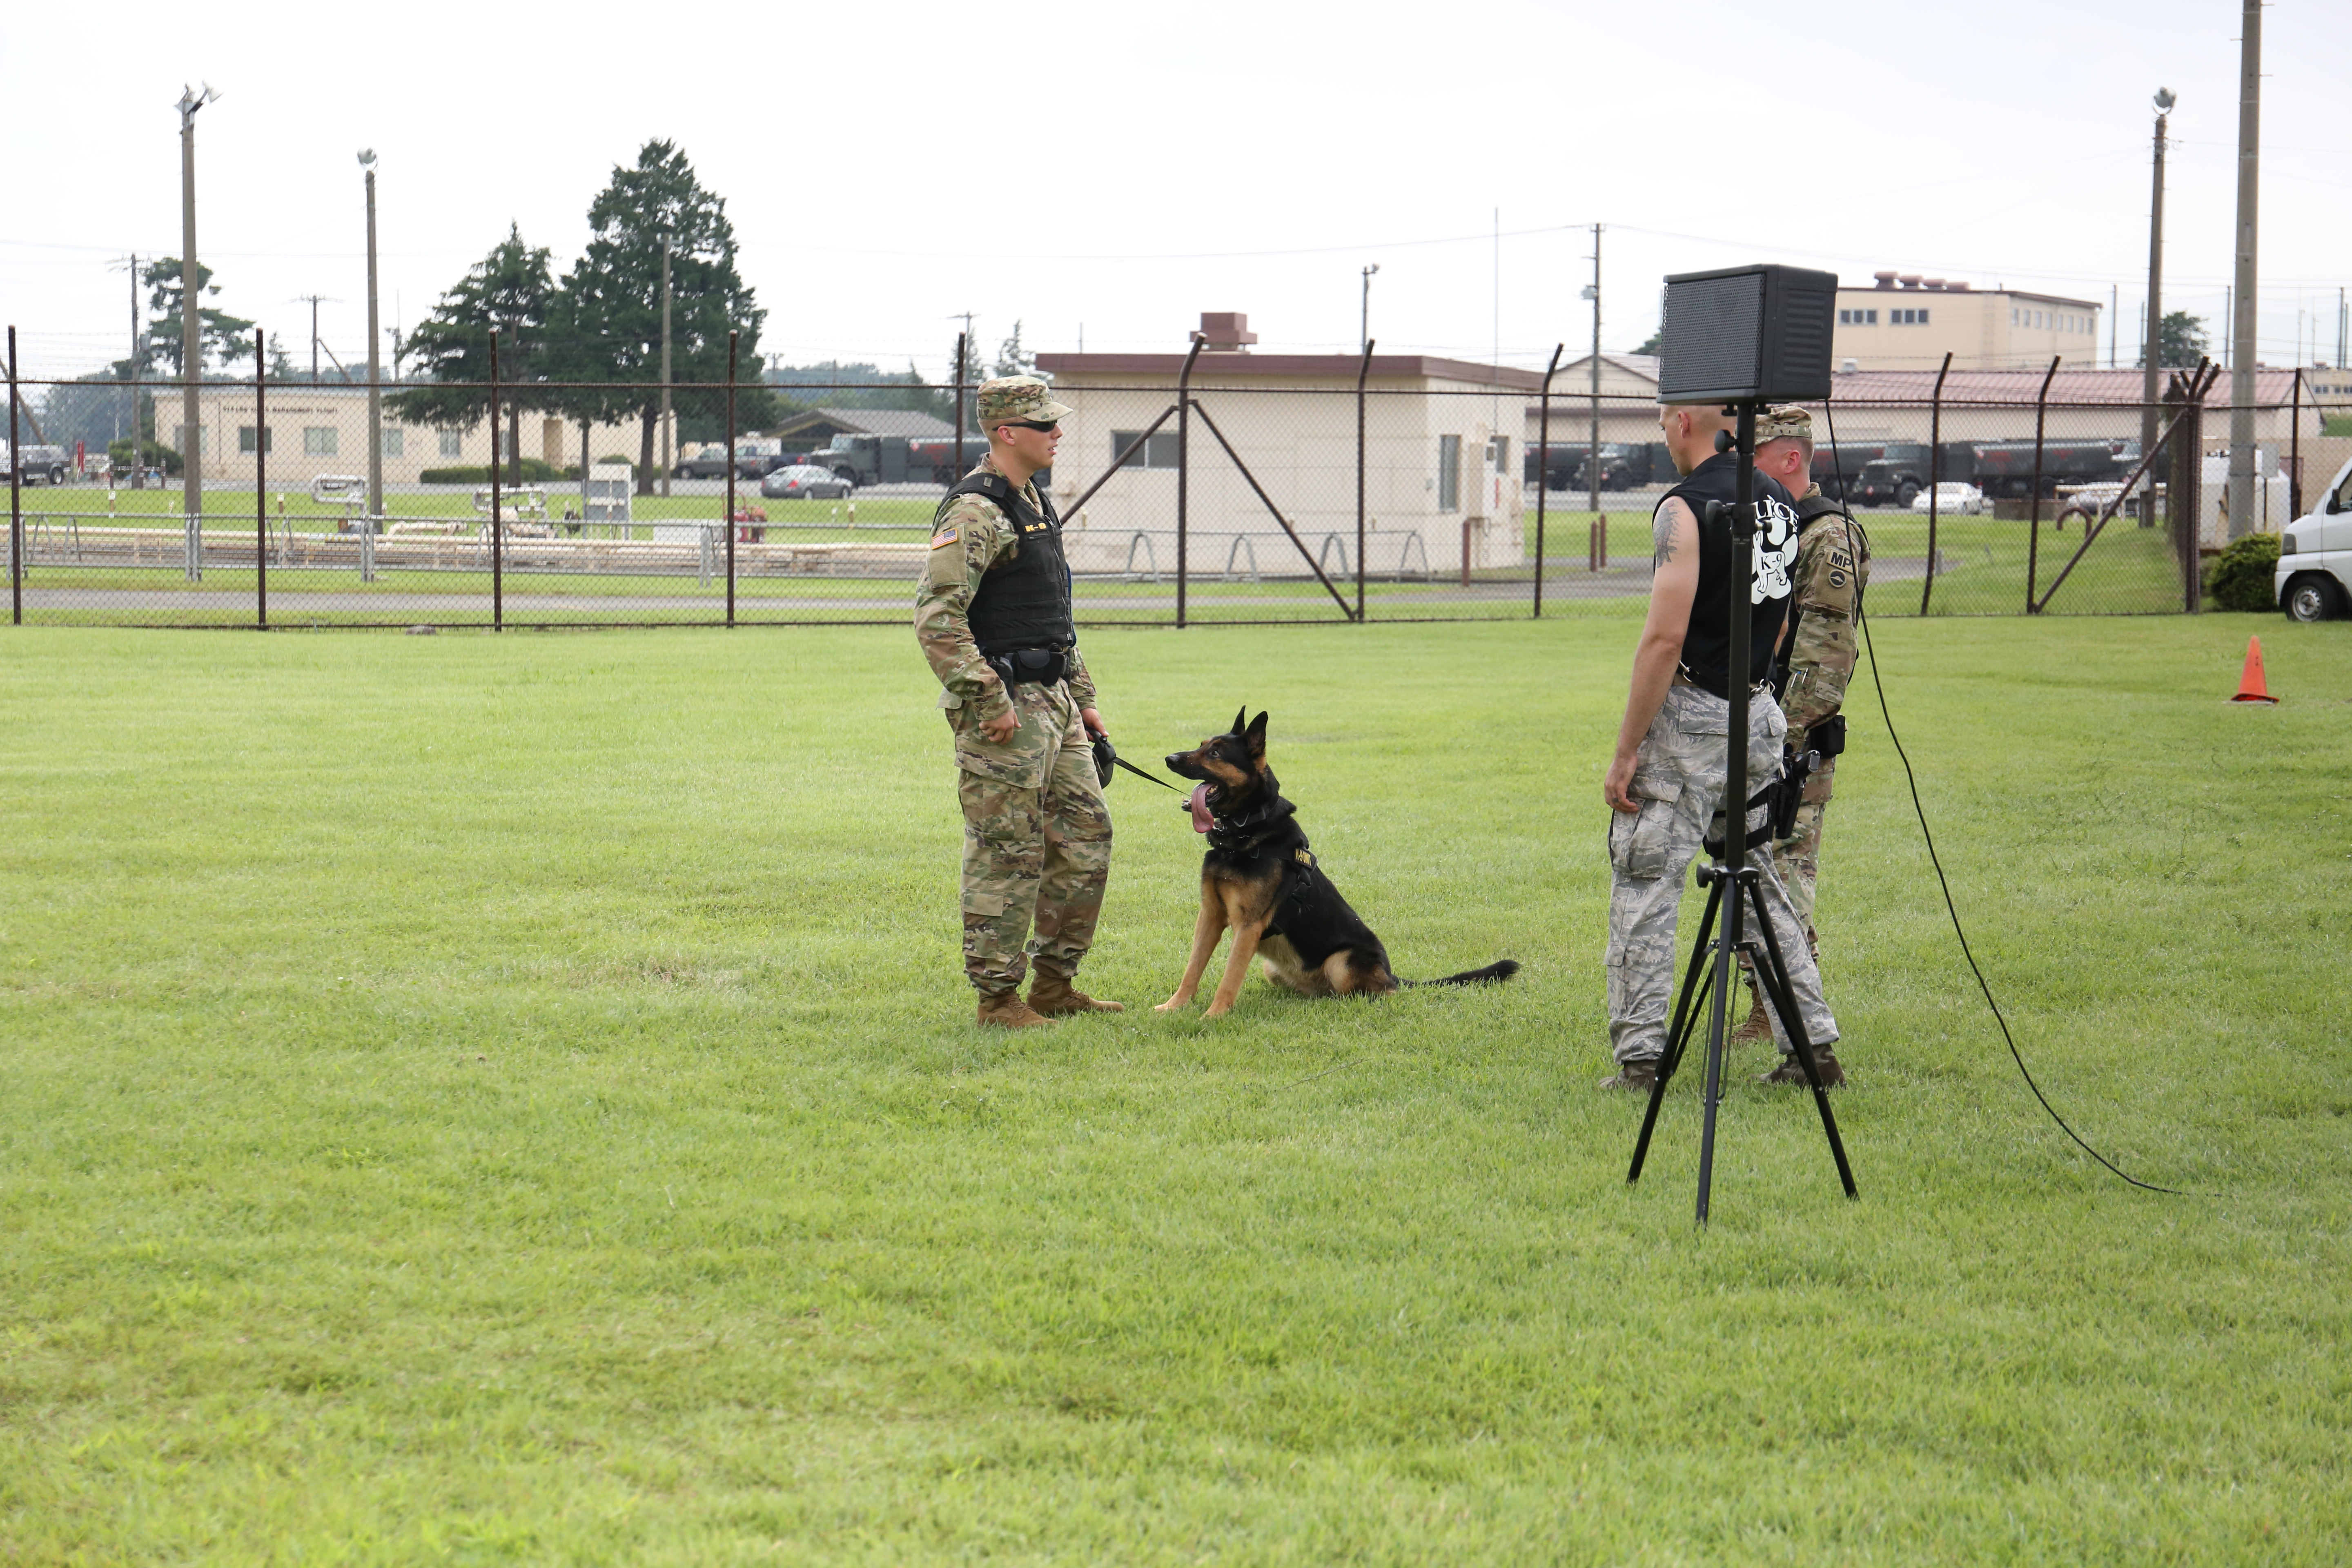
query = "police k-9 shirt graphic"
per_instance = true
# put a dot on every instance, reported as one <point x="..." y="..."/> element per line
<point x="1776" y="549"/>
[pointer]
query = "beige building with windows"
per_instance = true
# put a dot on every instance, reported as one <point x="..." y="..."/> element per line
<point x="1441" y="458"/>
<point x="319" y="431"/>
<point x="1906" y="321"/>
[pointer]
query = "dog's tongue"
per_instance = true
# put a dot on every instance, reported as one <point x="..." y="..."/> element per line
<point x="1200" y="819"/>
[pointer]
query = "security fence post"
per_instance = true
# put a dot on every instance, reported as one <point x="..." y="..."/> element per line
<point x="497" y="575"/>
<point x="1184" y="466"/>
<point x="731" y="336"/>
<point x="1543" y="468"/>
<point x="2294" y="451"/>
<point x="959" y="410"/>
<point x="16" y="499"/>
<point x="261" y="488"/>
<point x="1364" y="369"/>
<point x="2183" y="499"/>
<point x="1935" y="473"/>
<point x="2033" y="538"/>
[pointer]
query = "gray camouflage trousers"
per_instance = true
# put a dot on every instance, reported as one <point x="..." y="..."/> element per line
<point x="1678" y="778"/>
<point x="1037" y="840"/>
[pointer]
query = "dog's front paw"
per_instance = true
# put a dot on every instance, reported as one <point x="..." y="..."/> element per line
<point x="1218" y="1009"/>
<point x="1173" y="1005"/>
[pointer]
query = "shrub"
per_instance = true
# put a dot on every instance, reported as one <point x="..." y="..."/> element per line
<point x="534" y="473"/>
<point x="2241" y="577"/>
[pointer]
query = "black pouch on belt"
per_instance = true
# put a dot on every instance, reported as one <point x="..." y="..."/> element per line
<point x="1030" y="666"/>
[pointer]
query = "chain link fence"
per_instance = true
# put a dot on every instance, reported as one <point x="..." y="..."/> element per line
<point x="1185" y="503"/>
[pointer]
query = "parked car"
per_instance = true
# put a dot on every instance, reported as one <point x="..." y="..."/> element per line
<point x="1954" y="500"/>
<point x="803" y="482"/>
<point x="2315" y="565"/>
<point x="710" y="463"/>
<point x="37" y="465"/>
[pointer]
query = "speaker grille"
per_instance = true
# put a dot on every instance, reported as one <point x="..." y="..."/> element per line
<point x="1710" y="336"/>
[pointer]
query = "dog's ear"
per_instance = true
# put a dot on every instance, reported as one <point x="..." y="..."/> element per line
<point x="1239" y="715"/>
<point x="1255" y="736"/>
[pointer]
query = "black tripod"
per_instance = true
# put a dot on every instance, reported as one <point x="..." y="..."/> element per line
<point x="1730" y="869"/>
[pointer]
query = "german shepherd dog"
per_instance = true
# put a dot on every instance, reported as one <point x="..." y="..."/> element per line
<point x="1260" y="879"/>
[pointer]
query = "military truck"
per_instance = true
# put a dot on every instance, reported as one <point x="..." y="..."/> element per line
<point x="897" y="459"/>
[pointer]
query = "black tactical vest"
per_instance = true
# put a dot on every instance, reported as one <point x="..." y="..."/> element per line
<point x="1023" y="602"/>
<point x="1706" y="648"/>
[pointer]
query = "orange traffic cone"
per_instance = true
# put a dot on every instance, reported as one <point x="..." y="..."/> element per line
<point x="2249" y="684"/>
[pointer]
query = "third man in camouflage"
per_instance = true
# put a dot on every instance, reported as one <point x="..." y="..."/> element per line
<point x="1818" y="651"/>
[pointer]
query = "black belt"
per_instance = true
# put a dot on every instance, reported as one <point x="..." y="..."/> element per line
<point x="1029" y="666"/>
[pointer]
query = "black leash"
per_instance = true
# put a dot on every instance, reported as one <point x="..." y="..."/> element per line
<point x="1106" y="757"/>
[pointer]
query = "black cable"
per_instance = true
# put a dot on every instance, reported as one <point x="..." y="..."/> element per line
<point x="1838" y="465"/>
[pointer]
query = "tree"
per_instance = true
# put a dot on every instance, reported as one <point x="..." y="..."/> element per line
<point x="2181" y="342"/>
<point x="513" y="290"/>
<point x="1653" y="343"/>
<point x="220" y="336"/>
<point x="1012" y="359"/>
<point x="608" y="315"/>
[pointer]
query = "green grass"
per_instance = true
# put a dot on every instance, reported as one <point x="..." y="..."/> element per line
<point x="230" y="508"/>
<point x="512" y="1099"/>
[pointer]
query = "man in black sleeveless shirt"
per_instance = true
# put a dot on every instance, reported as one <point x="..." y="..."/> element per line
<point x="1666" y="782"/>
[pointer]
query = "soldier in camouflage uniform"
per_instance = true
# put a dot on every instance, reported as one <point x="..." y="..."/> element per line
<point x="993" y="619"/>
<point x="1818" y="651"/>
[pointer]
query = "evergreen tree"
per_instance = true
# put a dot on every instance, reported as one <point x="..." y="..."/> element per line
<point x="222" y="336"/>
<point x="1012" y="359"/>
<point x="512" y="290"/>
<point x="608" y="317"/>
<point x="2181" y="342"/>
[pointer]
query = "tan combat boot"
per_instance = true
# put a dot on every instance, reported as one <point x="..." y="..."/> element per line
<point x="1054" y="995"/>
<point x="1005" y="1010"/>
<point x="1757" y="1026"/>
<point x="1792" y="1071"/>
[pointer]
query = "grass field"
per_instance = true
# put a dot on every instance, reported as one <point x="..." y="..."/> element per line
<point x="513" y="1100"/>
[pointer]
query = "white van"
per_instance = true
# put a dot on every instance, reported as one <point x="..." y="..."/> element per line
<point x="2315" y="567"/>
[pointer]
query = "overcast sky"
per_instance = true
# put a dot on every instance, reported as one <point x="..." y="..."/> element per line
<point x="1114" y="171"/>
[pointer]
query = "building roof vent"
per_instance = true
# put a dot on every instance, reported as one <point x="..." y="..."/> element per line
<point x="1886" y="279"/>
<point x="1849" y="365"/>
<point x="1931" y="283"/>
<point x="1955" y="286"/>
<point x="1912" y="280"/>
<point x="1225" y="331"/>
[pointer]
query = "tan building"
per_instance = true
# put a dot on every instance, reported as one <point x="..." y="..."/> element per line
<point x="321" y="430"/>
<point x="1442" y="457"/>
<point x="1906" y="321"/>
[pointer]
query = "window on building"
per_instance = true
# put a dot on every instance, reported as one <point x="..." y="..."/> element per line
<point x="248" y="438"/>
<point x="1499" y="452"/>
<point x="1858" y="317"/>
<point x="319" y="440"/>
<point x="1159" y="452"/>
<point x="1449" y="473"/>
<point x="396" y="442"/>
<point x="453" y="444"/>
<point x="1908" y="317"/>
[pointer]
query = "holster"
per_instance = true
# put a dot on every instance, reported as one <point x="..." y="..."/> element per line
<point x="1029" y="666"/>
<point x="1828" y="737"/>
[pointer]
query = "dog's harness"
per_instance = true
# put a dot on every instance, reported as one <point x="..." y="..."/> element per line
<point x="1242" y="836"/>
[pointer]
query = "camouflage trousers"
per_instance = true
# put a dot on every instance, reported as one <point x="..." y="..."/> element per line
<point x="1678" y="780"/>
<point x="1798" y="859"/>
<point x="1037" y="840"/>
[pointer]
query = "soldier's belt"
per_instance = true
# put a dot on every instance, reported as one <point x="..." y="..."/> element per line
<point x="1030" y="666"/>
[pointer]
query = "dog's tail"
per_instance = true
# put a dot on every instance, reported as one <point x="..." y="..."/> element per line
<point x="1501" y="969"/>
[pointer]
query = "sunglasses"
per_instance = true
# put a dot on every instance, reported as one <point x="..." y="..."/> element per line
<point x="1033" y="424"/>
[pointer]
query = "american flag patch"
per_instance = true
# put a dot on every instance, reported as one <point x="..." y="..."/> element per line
<point x="943" y="537"/>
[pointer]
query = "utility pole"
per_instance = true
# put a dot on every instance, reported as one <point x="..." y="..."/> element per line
<point x="192" y="337"/>
<point x="130" y="368"/>
<point x="1593" y="445"/>
<point x="1364" y="313"/>
<point x="2230" y="342"/>
<point x="375" y="364"/>
<point x="2147" y="408"/>
<point x="664" y="368"/>
<point x="2340" y="321"/>
<point x="2243" y="301"/>
<point x="2115" y="299"/>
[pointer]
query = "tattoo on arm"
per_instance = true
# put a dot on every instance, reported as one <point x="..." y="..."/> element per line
<point x="1662" y="530"/>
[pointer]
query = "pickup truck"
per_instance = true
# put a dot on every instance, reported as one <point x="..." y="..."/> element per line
<point x="2315" y="565"/>
<point x="40" y="465"/>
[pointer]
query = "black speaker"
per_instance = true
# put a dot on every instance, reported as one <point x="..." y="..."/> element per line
<point x="1738" y="332"/>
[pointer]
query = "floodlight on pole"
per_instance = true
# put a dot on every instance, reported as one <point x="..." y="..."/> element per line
<point x="375" y="364"/>
<point x="192" y="341"/>
<point x="1364" y="324"/>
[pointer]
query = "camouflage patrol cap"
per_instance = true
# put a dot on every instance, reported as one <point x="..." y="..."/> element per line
<point x="1018" y="397"/>
<point x="1783" y="421"/>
